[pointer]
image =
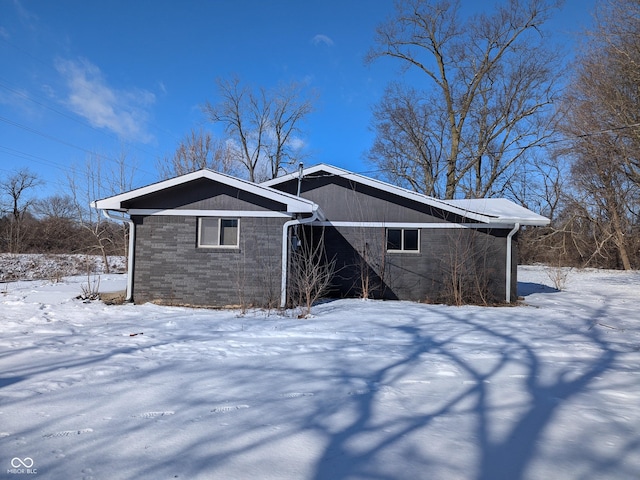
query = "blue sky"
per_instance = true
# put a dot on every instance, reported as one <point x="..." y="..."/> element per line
<point x="119" y="76"/>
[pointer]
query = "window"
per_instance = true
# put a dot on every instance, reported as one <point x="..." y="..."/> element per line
<point x="403" y="240"/>
<point x="218" y="232"/>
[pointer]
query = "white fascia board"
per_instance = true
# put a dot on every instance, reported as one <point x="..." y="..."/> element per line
<point x="209" y="213"/>
<point x="294" y="204"/>
<point x="440" y="225"/>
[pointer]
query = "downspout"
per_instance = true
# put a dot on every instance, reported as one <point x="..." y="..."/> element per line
<point x="285" y="251"/>
<point x="509" y="261"/>
<point x="131" y="246"/>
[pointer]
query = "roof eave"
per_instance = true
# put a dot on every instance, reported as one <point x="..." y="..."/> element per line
<point x="509" y="222"/>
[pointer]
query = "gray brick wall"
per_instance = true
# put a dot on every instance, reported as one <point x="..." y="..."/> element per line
<point x="170" y="268"/>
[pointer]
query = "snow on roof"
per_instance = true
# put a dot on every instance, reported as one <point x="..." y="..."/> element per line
<point x="501" y="209"/>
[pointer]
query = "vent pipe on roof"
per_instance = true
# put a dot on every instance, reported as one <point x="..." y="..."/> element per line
<point x="300" y="169"/>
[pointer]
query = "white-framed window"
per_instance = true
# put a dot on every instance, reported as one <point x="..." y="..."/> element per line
<point x="216" y="232"/>
<point x="403" y="239"/>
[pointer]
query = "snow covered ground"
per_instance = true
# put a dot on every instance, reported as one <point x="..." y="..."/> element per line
<point x="17" y="266"/>
<point x="362" y="390"/>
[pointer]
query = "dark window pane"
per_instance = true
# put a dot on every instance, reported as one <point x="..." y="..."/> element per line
<point x="394" y="239"/>
<point x="411" y="240"/>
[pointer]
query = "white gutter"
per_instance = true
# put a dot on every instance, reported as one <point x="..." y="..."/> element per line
<point x="131" y="246"/>
<point x="439" y="225"/>
<point x="285" y="250"/>
<point x="509" y="261"/>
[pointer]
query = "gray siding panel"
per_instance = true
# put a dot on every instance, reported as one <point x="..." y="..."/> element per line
<point x="344" y="200"/>
<point x="205" y="194"/>
<point x="475" y="259"/>
<point x="169" y="268"/>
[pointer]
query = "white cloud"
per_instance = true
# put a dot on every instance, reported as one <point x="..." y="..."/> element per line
<point x="320" y="38"/>
<point x="124" y="112"/>
<point x="297" y="144"/>
<point x="4" y="33"/>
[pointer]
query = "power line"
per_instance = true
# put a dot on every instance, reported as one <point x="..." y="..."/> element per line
<point x="42" y="103"/>
<point x="25" y="96"/>
<point x="59" y="140"/>
<point x="29" y="156"/>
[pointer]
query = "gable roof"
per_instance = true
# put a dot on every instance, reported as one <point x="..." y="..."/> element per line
<point x="294" y="204"/>
<point x="486" y="210"/>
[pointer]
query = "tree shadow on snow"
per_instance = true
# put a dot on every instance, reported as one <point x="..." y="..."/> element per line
<point x="6" y="381"/>
<point x="546" y="389"/>
<point x="350" y="424"/>
<point x="529" y="288"/>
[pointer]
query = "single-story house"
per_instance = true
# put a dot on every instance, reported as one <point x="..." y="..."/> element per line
<point x="210" y="239"/>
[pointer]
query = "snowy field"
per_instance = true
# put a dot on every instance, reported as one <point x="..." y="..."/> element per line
<point x="362" y="390"/>
<point x="52" y="267"/>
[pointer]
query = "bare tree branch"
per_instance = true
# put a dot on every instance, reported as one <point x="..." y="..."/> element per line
<point x="262" y="125"/>
<point x="492" y="77"/>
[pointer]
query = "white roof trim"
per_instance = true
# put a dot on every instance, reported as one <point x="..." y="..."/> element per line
<point x="294" y="204"/>
<point x="209" y="213"/>
<point x="427" y="225"/>
<point x="473" y="211"/>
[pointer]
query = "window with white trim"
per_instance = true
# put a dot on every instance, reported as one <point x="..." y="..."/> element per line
<point x="403" y="240"/>
<point x="218" y="232"/>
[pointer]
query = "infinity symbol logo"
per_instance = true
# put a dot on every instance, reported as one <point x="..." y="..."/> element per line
<point x="26" y="462"/>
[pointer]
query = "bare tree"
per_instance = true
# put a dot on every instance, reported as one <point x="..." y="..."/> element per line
<point x="408" y="145"/>
<point x="198" y="150"/>
<point x="609" y="71"/>
<point x="95" y="180"/>
<point x="289" y="109"/>
<point x="86" y="184"/>
<point x="58" y="207"/>
<point x="262" y="124"/>
<point x="465" y="268"/>
<point x="603" y="126"/>
<point x="16" y="203"/>
<point x="371" y="263"/>
<point x="311" y="272"/>
<point x="489" y="100"/>
<point x="56" y="229"/>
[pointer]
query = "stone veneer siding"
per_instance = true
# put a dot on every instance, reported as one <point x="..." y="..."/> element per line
<point x="171" y="269"/>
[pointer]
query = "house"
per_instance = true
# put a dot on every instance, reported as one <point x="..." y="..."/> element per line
<point x="210" y="239"/>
